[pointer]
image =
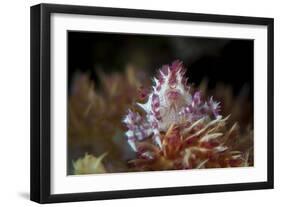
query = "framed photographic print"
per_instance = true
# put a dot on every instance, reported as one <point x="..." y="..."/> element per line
<point x="132" y="103"/>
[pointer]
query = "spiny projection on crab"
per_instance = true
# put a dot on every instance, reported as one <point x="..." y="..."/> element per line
<point x="177" y="129"/>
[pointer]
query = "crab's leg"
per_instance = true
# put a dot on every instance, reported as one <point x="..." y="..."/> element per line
<point x="155" y="117"/>
<point x="138" y="129"/>
<point x="156" y="133"/>
<point x="131" y="120"/>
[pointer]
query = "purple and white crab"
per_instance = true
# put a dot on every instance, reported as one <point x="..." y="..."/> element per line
<point x="169" y="102"/>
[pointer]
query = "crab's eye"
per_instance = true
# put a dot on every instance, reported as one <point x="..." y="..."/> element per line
<point x="173" y="81"/>
<point x="173" y="85"/>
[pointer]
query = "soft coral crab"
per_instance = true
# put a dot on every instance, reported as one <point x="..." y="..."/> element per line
<point x="170" y="102"/>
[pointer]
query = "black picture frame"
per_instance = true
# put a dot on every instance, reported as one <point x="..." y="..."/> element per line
<point x="41" y="96"/>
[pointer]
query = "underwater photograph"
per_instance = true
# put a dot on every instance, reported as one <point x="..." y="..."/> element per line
<point x="142" y="102"/>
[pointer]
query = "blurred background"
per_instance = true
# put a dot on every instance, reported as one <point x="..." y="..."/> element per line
<point x="228" y="61"/>
<point x="106" y="71"/>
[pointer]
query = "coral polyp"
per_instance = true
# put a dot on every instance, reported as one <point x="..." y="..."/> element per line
<point x="177" y="128"/>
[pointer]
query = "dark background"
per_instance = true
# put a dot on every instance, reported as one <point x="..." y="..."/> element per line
<point x="228" y="61"/>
